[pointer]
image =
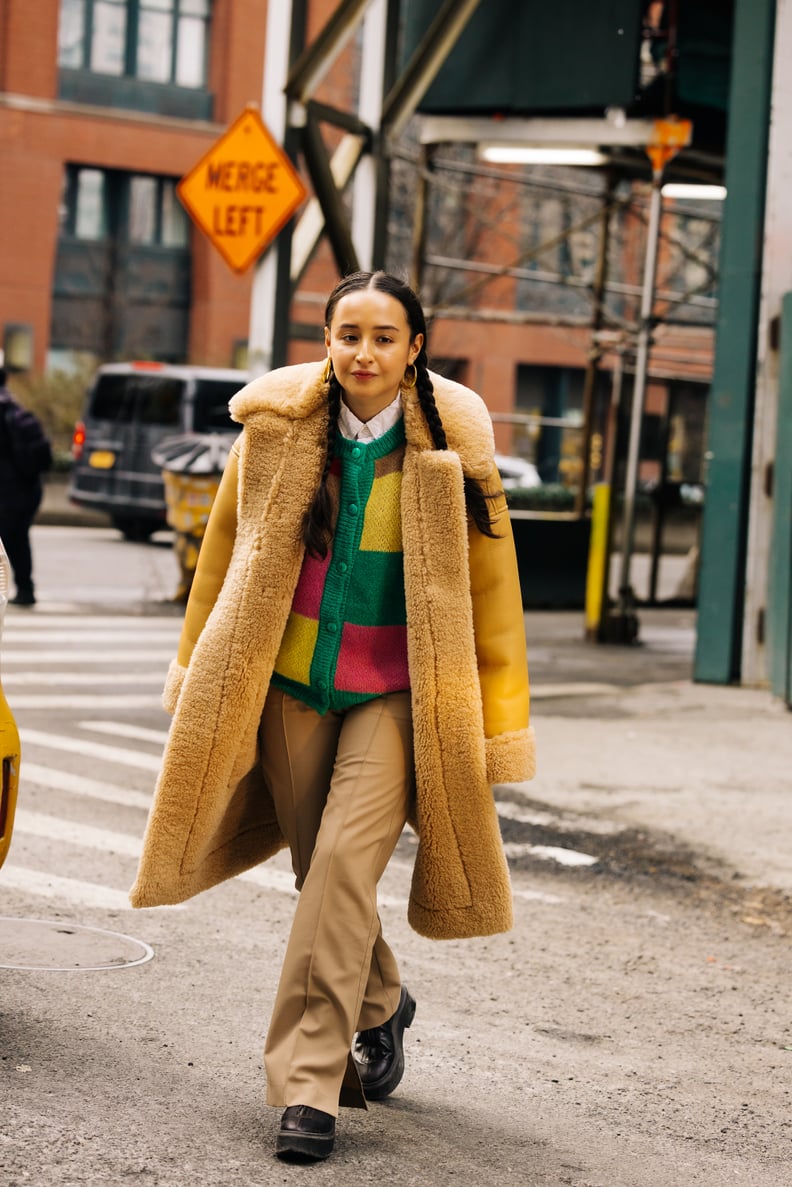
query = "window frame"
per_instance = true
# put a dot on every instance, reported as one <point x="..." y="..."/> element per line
<point x="116" y="221"/>
<point x="128" y="88"/>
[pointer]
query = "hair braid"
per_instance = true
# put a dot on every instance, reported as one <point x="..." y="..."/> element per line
<point x="318" y="521"/>
<point x="425" y="392"/>
<point x="475" y="498"/>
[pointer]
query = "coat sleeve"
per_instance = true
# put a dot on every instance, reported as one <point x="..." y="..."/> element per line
<point x="213" y="561"/>
<point x="500" y="645"/>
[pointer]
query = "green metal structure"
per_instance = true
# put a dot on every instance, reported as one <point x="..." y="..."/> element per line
<point x="731" y="408"/>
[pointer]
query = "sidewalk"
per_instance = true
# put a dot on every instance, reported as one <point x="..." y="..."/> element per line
<point x="624" y="734"/>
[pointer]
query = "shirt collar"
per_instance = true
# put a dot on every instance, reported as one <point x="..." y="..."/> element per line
<point x="355" y="429"/>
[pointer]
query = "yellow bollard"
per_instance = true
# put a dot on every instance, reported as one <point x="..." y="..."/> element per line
<point x="596" y="576"/>
<point x="9" y="756"/>
<point x="9" y="736"/>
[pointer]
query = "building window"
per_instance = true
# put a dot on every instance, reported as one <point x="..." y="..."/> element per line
<point x="155" y="216"/>
<point x="132" y="207"/>
<point x="122" y="286"/>
<point x="160" y="41"/>
<point x="83" y="208"/>
<point x="108" y="36"/>
<point x="90" y="208"/>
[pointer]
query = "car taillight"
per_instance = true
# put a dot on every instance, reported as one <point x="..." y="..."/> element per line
<point x="78" y="441"/>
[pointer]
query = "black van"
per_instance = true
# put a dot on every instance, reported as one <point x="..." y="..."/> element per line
<point x="129" y="409"/>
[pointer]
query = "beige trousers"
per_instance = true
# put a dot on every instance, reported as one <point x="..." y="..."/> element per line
<point x="343" y="785"/>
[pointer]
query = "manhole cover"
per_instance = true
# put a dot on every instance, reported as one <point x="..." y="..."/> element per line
<point x="63" y="947"/>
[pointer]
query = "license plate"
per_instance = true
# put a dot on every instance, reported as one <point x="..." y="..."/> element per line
<point x="102" y="459"/>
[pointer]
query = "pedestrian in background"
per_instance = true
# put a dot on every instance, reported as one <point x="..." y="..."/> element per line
<point x="25" y="454"/>
<point x="352" y="658"/>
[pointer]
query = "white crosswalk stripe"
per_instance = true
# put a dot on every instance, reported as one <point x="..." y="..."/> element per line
<point x="14" y="680"/>
<point x="54" y="828"/>
<point x="111" y="700"/>
<point x="16" y="635"/>
<point x="73" y="891"/>
<point x="25" y="657"/>
<point x="565" y="857"/>
<point x="79" y="785"/>
<point x="120" y="729"/>
<point x="88" y="749"/>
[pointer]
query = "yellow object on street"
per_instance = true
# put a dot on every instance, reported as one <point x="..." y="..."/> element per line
<point x="189" y="499"/>
<point x="596" y="576"/>
<point x="192" y="466"/>
<point x="9" y="737"/>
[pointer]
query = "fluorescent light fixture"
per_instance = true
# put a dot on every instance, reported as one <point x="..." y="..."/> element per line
<point x="683" y="189"/>
<point x="524" y="154"/>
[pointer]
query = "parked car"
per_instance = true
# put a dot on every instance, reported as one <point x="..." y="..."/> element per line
<point x="516" y="473"/>
<point x="9" y="734"/>
<point x="130" y="408"/>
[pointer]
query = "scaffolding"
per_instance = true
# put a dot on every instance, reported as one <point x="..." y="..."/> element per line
<point x="431" y="208"/>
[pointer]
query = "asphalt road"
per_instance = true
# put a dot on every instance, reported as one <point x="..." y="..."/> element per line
<point x="632" y="1029"/>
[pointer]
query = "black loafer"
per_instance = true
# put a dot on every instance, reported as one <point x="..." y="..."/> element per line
<point x="306" y="1134"/>
<point x="379" y="1052"/>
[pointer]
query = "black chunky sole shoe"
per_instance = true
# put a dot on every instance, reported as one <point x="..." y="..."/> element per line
<point x="305" y="1135"/>
<point x="379" y="1052"/>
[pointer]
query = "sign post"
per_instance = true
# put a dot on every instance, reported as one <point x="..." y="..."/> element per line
<point x="242" y="191"/>
<point x="670" y="135"/>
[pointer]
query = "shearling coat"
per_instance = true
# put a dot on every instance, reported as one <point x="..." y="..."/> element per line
<point x="212" y="815"/>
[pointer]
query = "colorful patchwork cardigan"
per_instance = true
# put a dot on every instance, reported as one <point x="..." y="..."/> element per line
<point x="346" y="636"/>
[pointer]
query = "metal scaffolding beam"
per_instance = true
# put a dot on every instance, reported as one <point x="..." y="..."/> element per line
<point x="402" y="98"/>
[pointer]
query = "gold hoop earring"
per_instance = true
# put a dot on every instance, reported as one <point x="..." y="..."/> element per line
<point x="328" y="370"/>
<point x="409" y="384"/>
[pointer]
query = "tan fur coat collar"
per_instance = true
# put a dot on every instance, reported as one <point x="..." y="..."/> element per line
<point x="297" y="393"/>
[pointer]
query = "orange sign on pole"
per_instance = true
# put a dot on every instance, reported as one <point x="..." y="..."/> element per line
<point x="242" y="191"/>
<point x="670" y="135"/>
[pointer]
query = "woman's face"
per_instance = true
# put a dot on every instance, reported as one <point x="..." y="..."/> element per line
<point x="370" y="343"/>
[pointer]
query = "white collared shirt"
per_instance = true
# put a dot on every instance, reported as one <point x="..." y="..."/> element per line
<point x="355" y="429"/>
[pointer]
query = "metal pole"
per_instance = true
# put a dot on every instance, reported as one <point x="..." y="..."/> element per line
<point x="336" y="222"/>
<point x="390" y="72"/>
<point x="660" y="504"/>
<point x="372" y="77"/>
<point x="273" y="109"/>
<point x="595" y="351"/>
<point x="419" y="216"/>
<point x="605" y="627"/>
<point x="291" y="144"/>
<point x="626" y="595"/>
<point x="316" y="59"/>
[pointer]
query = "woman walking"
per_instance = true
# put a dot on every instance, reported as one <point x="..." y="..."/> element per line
<point x="352" y="658"/>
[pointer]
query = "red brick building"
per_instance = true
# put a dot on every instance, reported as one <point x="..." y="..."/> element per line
<point x="97" y="254"/>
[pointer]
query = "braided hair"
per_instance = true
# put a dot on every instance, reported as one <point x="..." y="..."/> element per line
<point x="318" y="522"/>
<point x="317" y="525"/>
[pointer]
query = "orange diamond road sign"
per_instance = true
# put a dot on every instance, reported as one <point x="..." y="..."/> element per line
<point x="243" y="191"/>
<point x="670" y="135"/>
